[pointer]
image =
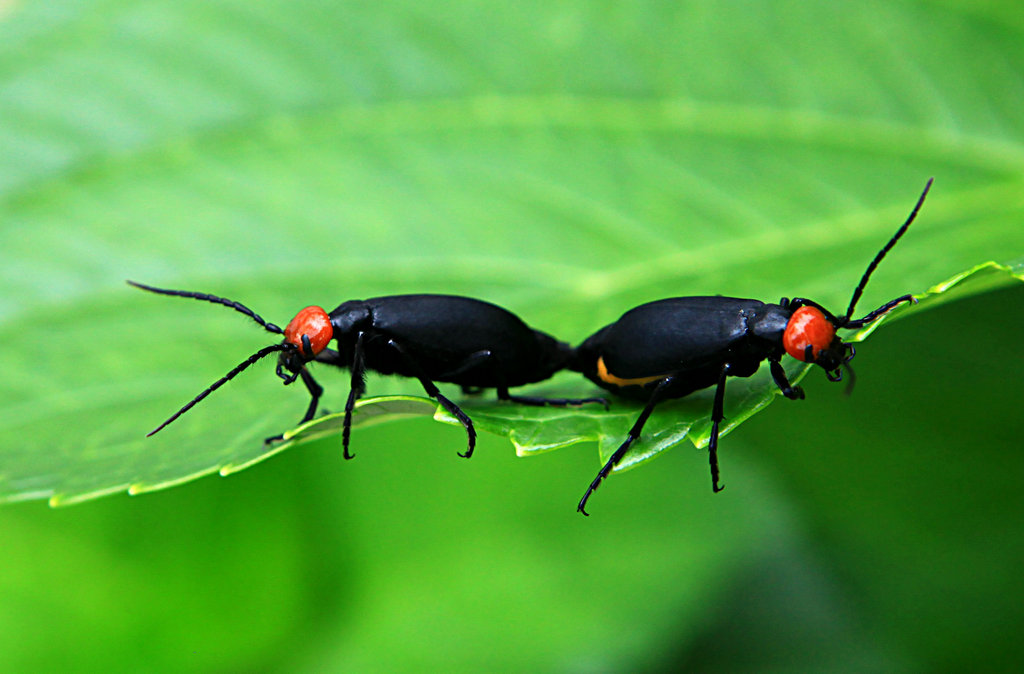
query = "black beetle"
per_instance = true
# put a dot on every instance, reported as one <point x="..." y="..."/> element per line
<point x="673" y="347"/>
<point x="434" y="338"/>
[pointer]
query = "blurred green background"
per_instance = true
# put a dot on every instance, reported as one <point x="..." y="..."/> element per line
<point x="567" y="160"/>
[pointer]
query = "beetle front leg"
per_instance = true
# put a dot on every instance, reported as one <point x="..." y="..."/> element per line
<point x="315" y="391"/>
<point x="634" y="435"/>
<point x="782" y="381"/>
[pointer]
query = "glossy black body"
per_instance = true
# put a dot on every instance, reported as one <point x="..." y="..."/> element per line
<point x="446" y="336"/>
<point x="680" y="345"/>
<point x="434" y="338"/>
<point x="673" y="347"/>
<point x="688" y="337"/>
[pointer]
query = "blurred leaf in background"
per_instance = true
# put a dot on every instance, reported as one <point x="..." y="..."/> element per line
<point x="566" y="160"/>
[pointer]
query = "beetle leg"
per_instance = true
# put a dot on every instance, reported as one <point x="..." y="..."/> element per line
<point x="503" y="394"/>
<point x="634" y="434"/>
<point x="315" y="391"/>
<point x="487" y="358"/>
<point x="717" y="415"/>
<point x="782" y="381"/>
<point x="471" y="361"/>
<point x="434" y="393"/>
<point x="357" y="388"/>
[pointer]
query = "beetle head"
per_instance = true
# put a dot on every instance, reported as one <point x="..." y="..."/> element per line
<point x="811" y="334"/>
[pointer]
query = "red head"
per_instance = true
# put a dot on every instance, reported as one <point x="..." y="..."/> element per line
<point x="314" y="324"/>
<point x="808" y="334"/>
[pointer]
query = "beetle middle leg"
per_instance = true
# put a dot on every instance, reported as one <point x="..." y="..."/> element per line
<point x="634" y="434"/>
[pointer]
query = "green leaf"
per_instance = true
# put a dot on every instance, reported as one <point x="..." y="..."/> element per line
<point x="568" y="160"/>
<point x="241" y="172"/>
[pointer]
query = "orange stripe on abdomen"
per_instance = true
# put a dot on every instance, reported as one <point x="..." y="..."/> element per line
<point x="605" y="376"/>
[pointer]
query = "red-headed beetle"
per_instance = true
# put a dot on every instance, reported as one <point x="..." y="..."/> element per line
<point x="673" y="347"/>
<point x="434" y="338"/>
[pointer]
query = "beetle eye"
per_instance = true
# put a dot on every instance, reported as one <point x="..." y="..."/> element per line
<point x="313" y="323"/>
<point x="808" y="332"/>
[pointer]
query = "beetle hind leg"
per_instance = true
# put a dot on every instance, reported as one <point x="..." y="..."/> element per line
<point x="432" y="391"/>
<point x="536" y="401"/>
<point x="634" y="435"/>
<point x="486" y="361"/>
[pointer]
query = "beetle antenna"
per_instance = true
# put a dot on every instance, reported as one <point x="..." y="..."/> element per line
<point x="845" y="321"/>
<point x="237" y="306"/>
<point x="262" y="353"/>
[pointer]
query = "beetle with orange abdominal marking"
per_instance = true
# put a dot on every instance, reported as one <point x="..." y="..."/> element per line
<point x="673" y="347"/>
